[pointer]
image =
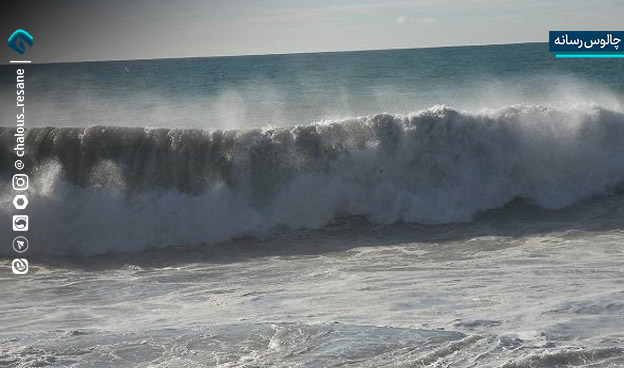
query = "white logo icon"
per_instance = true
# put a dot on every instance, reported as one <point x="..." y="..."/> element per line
<point x="20" y="244"/>
<point x="20" y="202"/>
<point x="20" y="223"/>
<point x="19" y="266"/>
<point x="20" y="181"/>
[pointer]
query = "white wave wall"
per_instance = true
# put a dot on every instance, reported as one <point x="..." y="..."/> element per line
<point x="113" y="189"/>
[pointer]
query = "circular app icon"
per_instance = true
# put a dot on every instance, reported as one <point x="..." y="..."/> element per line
<point x="20" y="244"/>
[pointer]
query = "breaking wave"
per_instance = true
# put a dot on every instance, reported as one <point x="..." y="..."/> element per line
<point x="117" y="189"/>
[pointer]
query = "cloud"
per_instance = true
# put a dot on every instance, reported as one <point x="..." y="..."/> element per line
<point x="402" y="19"/>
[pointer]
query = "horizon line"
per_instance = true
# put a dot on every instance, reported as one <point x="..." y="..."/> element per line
<point x="286" y="53"/>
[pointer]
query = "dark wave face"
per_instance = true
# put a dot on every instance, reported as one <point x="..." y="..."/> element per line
<point x="101" y="189"/>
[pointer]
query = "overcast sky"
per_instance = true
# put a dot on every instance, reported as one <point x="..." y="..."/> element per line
<point x="71" y="30"/>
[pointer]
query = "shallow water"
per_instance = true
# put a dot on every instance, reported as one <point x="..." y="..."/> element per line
<point x="518" y="287"/>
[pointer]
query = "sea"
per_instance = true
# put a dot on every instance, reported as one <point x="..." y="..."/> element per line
<point x="440" y="207"/>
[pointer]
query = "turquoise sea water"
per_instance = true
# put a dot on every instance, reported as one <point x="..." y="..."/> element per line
<point x="250" y="91"/>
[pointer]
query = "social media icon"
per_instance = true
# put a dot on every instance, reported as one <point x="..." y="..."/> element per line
<point x="20" y="223"/>
<point x="20" y="266"/>
<point x="20" y="181"/>
<point x="20" y="244"/>
<point x="19" y="39"/>
<point x="20" y="202"/>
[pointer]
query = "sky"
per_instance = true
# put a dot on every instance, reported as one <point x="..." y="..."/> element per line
<point x="78" y="30"/>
